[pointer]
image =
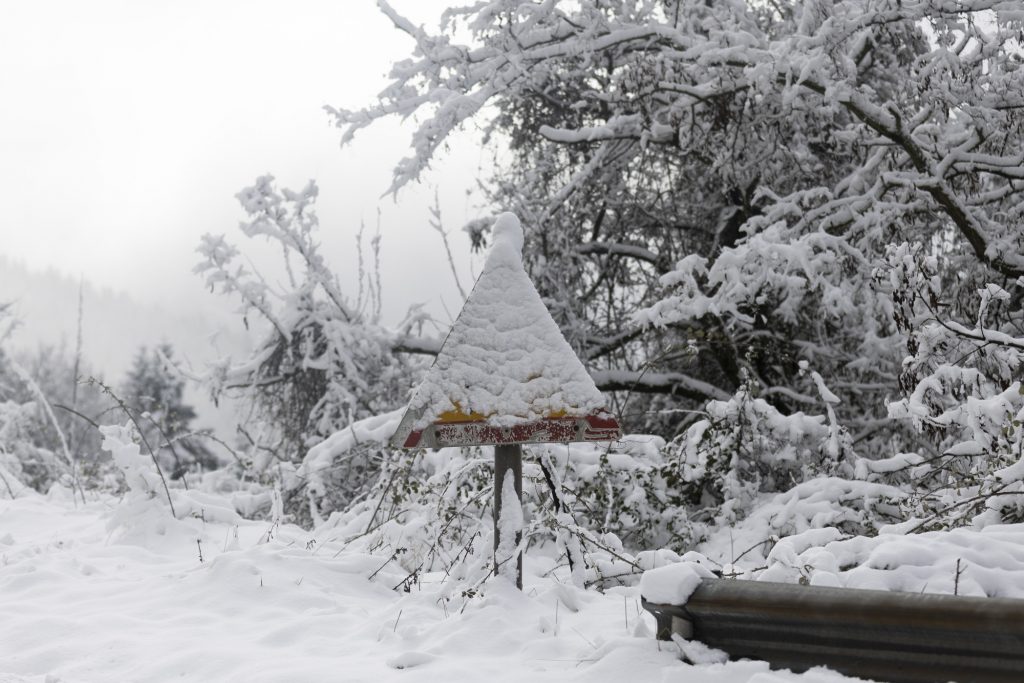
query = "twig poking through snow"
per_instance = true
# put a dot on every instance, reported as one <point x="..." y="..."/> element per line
<point x="117" y="399"/>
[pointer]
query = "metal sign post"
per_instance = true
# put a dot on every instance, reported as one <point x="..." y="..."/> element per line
<point x="507" y="459"/>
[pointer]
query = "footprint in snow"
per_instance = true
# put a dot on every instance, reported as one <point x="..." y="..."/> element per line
<point x="408" y="660"/>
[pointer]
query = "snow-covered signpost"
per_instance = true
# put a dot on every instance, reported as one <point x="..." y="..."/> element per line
<point x="505" y="376"/>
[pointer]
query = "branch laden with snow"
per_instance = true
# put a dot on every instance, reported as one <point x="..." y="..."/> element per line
<point x="324" y="360"/>
<point x="769" y="150"/>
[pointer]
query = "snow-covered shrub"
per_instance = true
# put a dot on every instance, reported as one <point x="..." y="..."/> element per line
<point x="324" y="360"/>
<point x="747" y="446"/>
<point x="40" y="443"/>
<point x="150" y="503"/>
<point x="22" y="463"/>
<point x="140" y="472"/>
<point x="962" y="390"/>
<point x="154" y="393"/>
<point x="427" y="510"/>
<point x="606" y="507"/>
<point x="75" y="404"/>
<point x="432" y="510"/>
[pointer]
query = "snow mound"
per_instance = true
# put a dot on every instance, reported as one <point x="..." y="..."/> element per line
<point x="321" y="457"/>
<point x="983" y="563"/>
<point x="505" y="361"/>
<point x="672" y="584"/>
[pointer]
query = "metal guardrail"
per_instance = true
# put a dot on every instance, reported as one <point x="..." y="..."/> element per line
<point x="888" y="636"/>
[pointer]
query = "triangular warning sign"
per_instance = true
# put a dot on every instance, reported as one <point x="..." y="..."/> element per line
<point x="505" y="374"/>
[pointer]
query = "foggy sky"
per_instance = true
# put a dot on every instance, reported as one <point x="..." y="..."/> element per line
<point x="128" y="126"/>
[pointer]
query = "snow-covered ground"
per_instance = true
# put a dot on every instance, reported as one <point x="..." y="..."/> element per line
<point x="86" y="595"/>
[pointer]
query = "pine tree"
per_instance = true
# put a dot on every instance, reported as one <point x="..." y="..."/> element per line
<point x="154" y="393"/>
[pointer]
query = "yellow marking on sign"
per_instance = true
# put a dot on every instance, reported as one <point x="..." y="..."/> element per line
<point x="456" y="414"/>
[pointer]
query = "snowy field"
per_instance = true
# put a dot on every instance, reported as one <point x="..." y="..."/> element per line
<point x="81" y="602"/>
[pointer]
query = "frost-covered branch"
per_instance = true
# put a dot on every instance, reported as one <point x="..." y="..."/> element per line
<point x="676" y="384"/>
<point x="623" y="250"/>
<point x="325" y="361"/>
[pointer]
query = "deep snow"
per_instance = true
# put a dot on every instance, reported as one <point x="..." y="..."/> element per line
<point x="87" y="595"/>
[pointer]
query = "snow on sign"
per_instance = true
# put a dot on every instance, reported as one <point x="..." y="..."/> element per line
<point x="505" y="374"/>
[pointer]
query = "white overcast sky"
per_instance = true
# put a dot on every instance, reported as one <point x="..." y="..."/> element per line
<point x="127" y="126"/>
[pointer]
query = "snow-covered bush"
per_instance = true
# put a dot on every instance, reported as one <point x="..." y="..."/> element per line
<point x="324" y="359"/>
<point x="140" y="472"/>
<point x="962" y="390"/>
<point x="21" y="462"/>
<point x="40" y="444"/>
<point x="604" y="507"/>
<point x="154" y="393"/>
<point x="745" y="447"/>
<point x="150" y="504"/>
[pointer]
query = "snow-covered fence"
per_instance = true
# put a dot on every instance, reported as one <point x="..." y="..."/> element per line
<point x="888" y="636"/>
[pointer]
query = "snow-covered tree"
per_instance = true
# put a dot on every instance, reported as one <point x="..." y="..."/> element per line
<point x="324" y="359"/>
<point x="155" y="394"/>
<point x="774" y="202"/>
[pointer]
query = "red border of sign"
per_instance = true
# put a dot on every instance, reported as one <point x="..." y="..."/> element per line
<point x="600" y="427"/>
